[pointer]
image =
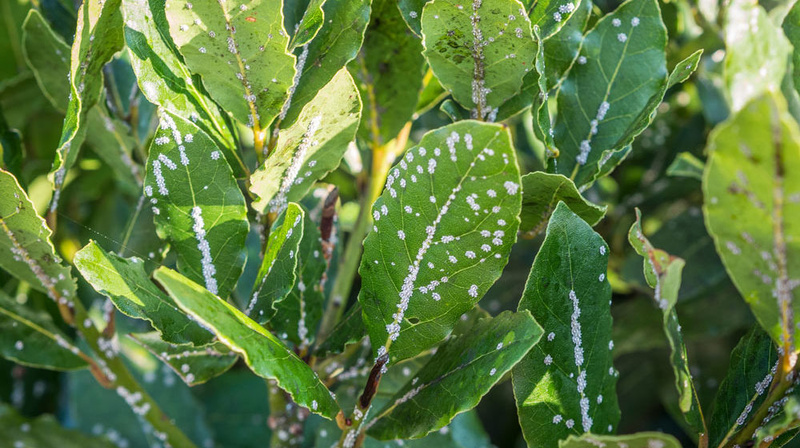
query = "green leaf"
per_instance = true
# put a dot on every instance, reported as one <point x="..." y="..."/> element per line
<point x="685" y="68"/>
<point x="457" y="376"/>
<point x="97" y="38"/>
<point x="42" y="432"/>
<point x="791" y="29"/>
<point x="310" y="148"/>
<point x="240" y="50"/>
<point x="786" y="418"/>
<point x="348" y="331"/>
<point x="195" y="365"/>
<point x="479" y="52"/>
<point x="753" y="363"/>
<point x="412" y="14"/>
<point x="299" y="313"/>
<point x="46" y="54"/>
<point x="198" y="206"/>
<point x="615" y="85"/>
<point x="550" y="15"/>
<point x="262" y="351"/>
<point x="563" y="48"/>
<point x="638" y="440"/>
<point x="126" y="283"/>
<point x="10" y="147"/>
<point x="163" y="77"/>
<point x="336" y="44"/>
<point x="541" y="192"/>
<point x="686" y="165"/>
<point x="753" y="65"/>
<point x="567" y="383"/>
<point x="309" y="24"/>
<point x="27" y="238"/>
<point x="663" y="273"/>
<point x="465" y="431"/>
<point x="277" y="274"/>
<point x="751" y="187"/>
<point x="31" y="338"/>
<point x="236" y="400"/>
<point x="390" y="71"/>
<point x="444" y="227"/>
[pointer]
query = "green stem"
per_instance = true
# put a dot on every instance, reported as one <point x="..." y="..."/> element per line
<point x="114" y="374"/>
<point x="129" y="227"/>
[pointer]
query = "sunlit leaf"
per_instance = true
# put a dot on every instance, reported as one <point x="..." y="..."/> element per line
<point x="240" y="50"/>
<point x="97" y="38"/>
<point x="198" y="206"/>
<point x="480" y="51"/>
<point x="309" y="148"/>
<point x="27" y="238"/>
<point x="638" y="440"/>
<point x="756" y="53"/>
<point x="617" y="81"/>
<point x="127" y="284"/>
<point x="751" y="187"/>
<point x="443" y="230"/>
<point x="262" y="351"/>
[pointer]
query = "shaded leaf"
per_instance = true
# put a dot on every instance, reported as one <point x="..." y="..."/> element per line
<point x="277" y="274"/>
<point x="240" y="50"/>
<point x="791" y="29"/>
<point x="562" y="49"/>
<point x="638" y="440"/>
<point x="262" y="351"/>
<point x="443" y="230"/>
<point x="42" y="432"/>
<point x="310" y="148"/>
<point x="198" y="206"/>
<point x="686" y="165"/>
<point x="541" y="192"/>
<point x="609" y="94"/>
<point x="751" y="187"/>
<point x="348" y="331"/>
<point x="480" y="53"/>
<point x="31" y="338"/>
<point x="299" y="313"/>
<point x="567" y="383"/>
<point x="389" y="70"/>
<point x="457" y="376"/>
<point x="663" y="274"/>
<point x="127" y="284"/>
<point x="195" y="365"/>
<point x="753" y="363"/>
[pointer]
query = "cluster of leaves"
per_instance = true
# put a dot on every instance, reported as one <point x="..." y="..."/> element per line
<point x="308" y="223"/>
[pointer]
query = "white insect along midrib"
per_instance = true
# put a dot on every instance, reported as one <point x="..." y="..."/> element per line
<point x="407" y="288"/>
